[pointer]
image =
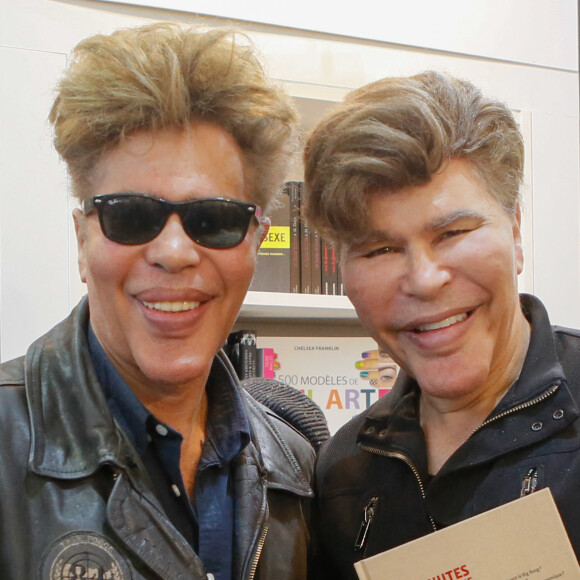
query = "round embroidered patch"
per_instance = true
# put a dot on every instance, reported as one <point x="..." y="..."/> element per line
<point x="84" y="556"/>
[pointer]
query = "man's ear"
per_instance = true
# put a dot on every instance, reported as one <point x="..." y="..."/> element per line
<point x="265" y="224"/>
<point x="517" y="234"/>
<point x="81" y="232"/>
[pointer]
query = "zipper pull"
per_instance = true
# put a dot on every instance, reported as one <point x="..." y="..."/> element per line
<point x="530" y="482"/>
<point x="369" y="514"/>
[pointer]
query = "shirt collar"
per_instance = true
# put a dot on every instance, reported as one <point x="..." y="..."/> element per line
<point x="228" y="426"/>
<point x="125" y="407"/>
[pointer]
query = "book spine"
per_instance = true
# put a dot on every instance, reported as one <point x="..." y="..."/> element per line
<point x="241" y="349"/>
<point x="334" y="270"/>
<point x="272" y="272"/>
<point x="339" y="284"/>
<point x="326" y="267"/>
<point x="232" y="350"/>
<point x="265" y="362"/>
<point x="295" y="257"/>
<point x="305" y="258"/>
<point x="315" y="263"/>
<point x="248" y="355"/>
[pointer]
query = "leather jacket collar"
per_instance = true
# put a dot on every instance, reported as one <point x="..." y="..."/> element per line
<point x="73" y="433"/>
<point x="72" y="430"/>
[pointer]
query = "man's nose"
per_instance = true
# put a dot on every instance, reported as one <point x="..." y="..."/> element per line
<point x="425" y="274"/>
<point x="173" y="249"/>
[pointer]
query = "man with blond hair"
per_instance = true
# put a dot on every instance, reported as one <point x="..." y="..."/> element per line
<point x="129" y="449"/>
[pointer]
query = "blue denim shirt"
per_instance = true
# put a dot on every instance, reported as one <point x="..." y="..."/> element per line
<point x="208" y="523"/>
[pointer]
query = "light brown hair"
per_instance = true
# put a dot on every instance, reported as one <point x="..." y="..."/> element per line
<point x="399" y="132"/>
<point x="164" y="75"/>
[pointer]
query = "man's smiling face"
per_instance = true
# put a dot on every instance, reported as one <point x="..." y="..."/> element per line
<point x="436" y="282"/>
<point x="162" y="309"/>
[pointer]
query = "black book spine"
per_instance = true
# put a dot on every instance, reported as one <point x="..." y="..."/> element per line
<point x="295" y="254"/>
<point x="241" y="348"/>
<point x="305" y="257"/>
<point x="315" y="262"/>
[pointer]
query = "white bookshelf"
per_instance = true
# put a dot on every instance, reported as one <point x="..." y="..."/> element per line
<point x="294" y="314"/>
<point x="260" y="305"/>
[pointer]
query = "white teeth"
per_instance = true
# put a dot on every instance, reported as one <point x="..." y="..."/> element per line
<point x="442" y="323"/>
<point x="172" y="306"/>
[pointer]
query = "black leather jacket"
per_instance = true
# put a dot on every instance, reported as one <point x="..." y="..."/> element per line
<point x="378" y="461"/>
<point x="76" y="499"/>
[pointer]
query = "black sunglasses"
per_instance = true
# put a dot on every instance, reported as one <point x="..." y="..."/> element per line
<point x="136" y="218"/>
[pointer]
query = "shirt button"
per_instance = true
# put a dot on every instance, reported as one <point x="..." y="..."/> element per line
<point x="161" y="429"/>
<point x="176" y="490"/>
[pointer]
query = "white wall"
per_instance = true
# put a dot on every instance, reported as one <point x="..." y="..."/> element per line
<point x="533" y="66"/>
<point x="34" y="245"/>
<point x="489" y="28"/>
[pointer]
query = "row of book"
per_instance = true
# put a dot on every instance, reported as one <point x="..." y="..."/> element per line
<point x="248" y="360"/>
<point x="294" y="257"/>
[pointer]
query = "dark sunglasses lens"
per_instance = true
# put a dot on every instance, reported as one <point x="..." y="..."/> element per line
<point x="217" y="223"/>
<point x="132" y="220"/>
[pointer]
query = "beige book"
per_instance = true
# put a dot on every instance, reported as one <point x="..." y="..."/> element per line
<point x="521" y="540"/>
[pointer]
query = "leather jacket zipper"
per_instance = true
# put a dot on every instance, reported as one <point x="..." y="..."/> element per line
<point x="368" y="515"/>
<point x="258" y="552"/>
<point x="265" y="513"/>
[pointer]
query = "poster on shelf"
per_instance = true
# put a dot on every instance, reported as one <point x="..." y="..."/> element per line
<point x="343" y="375"/>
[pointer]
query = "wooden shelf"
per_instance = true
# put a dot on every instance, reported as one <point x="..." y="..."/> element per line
<point x="297" y="306"/>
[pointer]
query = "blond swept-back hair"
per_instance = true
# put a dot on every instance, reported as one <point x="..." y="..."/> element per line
<point x="399" y="132"/>
<point x="165" y="76"/>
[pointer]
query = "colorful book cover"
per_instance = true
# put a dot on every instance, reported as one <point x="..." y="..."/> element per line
<point x="272" y="273"/>
<point x="343" y="375"/>
<point x="265" y="363"/>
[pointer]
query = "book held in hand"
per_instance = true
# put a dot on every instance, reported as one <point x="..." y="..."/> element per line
<point x="523" y="539"/>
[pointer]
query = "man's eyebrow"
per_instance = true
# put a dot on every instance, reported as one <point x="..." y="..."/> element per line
<point x="378" y="236"/>
<point x="438" y="223"/>
<point x="373" y="237"/>
<point x="455" y="216"/>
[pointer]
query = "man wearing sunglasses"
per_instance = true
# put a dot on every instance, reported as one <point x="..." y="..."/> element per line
<point x="129" y="449"/>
